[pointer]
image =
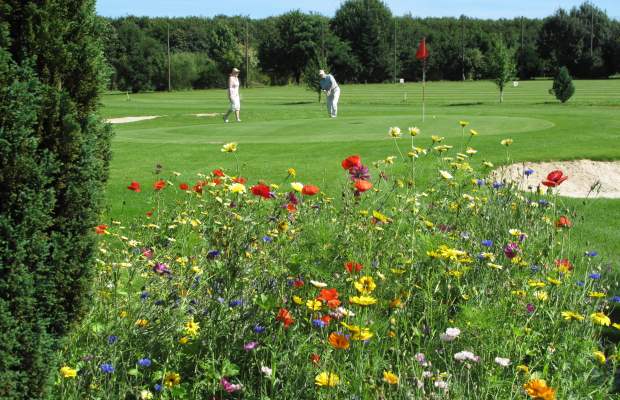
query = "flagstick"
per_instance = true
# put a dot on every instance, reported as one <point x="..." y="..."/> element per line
<point x="423" y="88"/>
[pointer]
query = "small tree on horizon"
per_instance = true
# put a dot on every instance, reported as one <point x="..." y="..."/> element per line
<point x="563" y="87"/>
<point x="311" y="77"/>
<point x="502" y="66"/>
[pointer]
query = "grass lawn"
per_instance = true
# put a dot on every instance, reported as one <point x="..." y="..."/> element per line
<point x="286" y="127"/>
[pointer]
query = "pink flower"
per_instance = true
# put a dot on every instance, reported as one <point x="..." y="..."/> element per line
<point x="229" y="387"/>
<point x="250" y="346"/>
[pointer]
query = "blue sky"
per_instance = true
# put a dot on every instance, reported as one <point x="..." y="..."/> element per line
<point x="260" y="9"/>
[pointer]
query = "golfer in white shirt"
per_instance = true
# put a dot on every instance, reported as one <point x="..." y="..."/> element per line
<point x="331" y="89"/>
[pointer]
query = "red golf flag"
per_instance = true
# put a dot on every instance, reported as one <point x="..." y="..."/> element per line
<point x="422" y="52"/>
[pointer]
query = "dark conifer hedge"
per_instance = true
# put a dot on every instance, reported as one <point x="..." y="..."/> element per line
<point x="54" y="156"/>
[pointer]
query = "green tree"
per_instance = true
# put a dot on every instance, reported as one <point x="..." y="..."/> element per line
<point x="501" y="66"/>
<point x="54" y="156"/>
<point x="563" y="87"/>
<point x="367" y="27"/>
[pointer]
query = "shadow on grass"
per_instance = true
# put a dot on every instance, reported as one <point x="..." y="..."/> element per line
<point x="296" y="103"/>
<point x="477" y="103"/>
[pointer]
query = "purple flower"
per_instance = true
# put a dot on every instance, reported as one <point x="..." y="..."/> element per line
<point x="591" y="253"/>
<point x="528" y="172"/>
<point x="292" y="198"/>
<point x="511" y="250"/>
<point x="480" y="182"/>
<point x="107" y="368"/>
<point x="487" y="243"/>
<point x="318" y="323"/>
<point x="360" y="172"/>
<point x="229" y="387"/>
<point x="580" y="283"/>
<point x="497" y="185"/>
<point x="267" y="239"/>
<point x="543" y="202"/>
<point x="530" y="308"/>
<point x="144" y="295"/>
<point x="250" y="346"/>
<point x="144" y="362"/>
<point x="213" y="254"/>
<point x="235" y="303"/>
<point x="112" y="339"/>
<point x="595" y="276"/>
<point x="161" y="269"/>
<point x="615" y="299"/>
<point x="259" y="329"/>
<point x="158" y="387"/>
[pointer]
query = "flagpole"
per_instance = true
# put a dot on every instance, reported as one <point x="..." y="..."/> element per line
<point x="423" y="88"/>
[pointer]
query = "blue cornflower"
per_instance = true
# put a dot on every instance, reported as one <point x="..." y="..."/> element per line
<point x="615" y="299"/>
<point x="267" y="239"/>
<point x="158" y="387"/>
<point x="528" y="172"/>
<point x="144" y="362"/>
<point x="487" y="243"/>
<point x="480" y="182"/>
<point x="112" y="339"/>
<point x="259" y="329"/>
<point x="480" y="256"/>
<point x="595" y="276"/>
<point x="580" y="283"/>
<point x="107" y="368"/>
<point x="235" y="303"/>
<point x="543" y="202"/>
<point x="535" y="268"/>
<point x="497" y="185"/>
<point x="144" y="295"/>
<point x="591" y="253"/>
<point x="318" y="323"/>
<point x="213" y="254"/>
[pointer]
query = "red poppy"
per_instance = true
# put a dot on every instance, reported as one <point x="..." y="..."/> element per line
<point x="218" y="172"/>
<point x="362" y="185"/>
<point x="564" y="264"/>
<point x="197" y="188"/>
<point x="285" y="317"/>
<point x="328" y="294"/>
<point x="217" y="181"/>
<point x="184" y="186"/>
<point x="291" y="207"/>
<point x="261" y="190"/>
<point x="135" y="186"/>
<point x="310" y="190"/>
<point x="315" y="358"/>
<point x="240" y="180"/>
<point x="555" y="178"/>
<point x="326" y="319"/>
<point x="159" y="185"/>
<point x="352" y="266"/>
<point x="101" y="229"/>
<point x="298" y="283"/>
<point x="563" y="222"/>
<point x="351" y="161"/>
<point x="149" y="214"/>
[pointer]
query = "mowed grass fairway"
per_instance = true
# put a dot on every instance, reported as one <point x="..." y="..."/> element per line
<point x="286" y="127"/>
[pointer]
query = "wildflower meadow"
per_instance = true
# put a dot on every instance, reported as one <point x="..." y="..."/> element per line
<point x="462" y="288"/>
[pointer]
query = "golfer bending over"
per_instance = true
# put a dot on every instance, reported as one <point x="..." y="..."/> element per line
<point x="331" y="89"/>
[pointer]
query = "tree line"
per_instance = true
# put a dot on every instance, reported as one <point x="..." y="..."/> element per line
<point x="363" y="42"/>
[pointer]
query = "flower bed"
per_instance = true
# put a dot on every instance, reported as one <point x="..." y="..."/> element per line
<point x="466" y="289"/>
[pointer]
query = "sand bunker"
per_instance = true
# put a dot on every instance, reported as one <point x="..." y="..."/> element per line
<point x="586" y="178"/>
<point x="126" y="120"/>
<point x="207" y="115"/>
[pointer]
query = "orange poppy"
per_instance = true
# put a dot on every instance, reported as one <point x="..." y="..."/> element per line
<point x="338" y="341"/>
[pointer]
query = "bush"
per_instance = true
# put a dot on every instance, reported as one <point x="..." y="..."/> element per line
<point x="54" y="156"/>
<point x="563" y="87"/>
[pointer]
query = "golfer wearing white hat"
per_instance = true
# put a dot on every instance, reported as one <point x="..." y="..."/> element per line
<point x="331" y="89"/>
<point x="233" y="94"/>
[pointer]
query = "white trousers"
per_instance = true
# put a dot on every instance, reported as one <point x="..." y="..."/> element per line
<point x="332" y="102"/>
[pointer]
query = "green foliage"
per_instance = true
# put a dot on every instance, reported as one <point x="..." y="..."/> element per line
<point x="563" y="87"/>
<point x="53" y="165"/>
<point x="184" y="70"/>
<point x="501" y="66"/>
<point x="366" y="26"/>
